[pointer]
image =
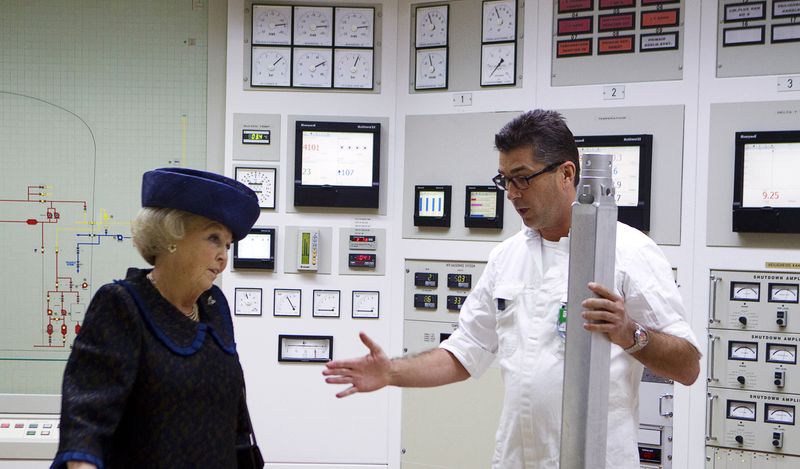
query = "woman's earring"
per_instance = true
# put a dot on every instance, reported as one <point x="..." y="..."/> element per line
<point x="172" y="248"/>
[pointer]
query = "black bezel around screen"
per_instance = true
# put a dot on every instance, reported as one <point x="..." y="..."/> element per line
<point x="767" y="219"/>
<point x="310" y="195"/>
<point x="264" y="263"/>
<point x="638" y="216"/>
<point x="442" y="221"/>
<point x="483" y="222"/>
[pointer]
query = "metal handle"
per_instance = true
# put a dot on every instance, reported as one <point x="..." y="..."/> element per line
<point x="710" y="363"/>
<point x="660" y="402"/>
<point x="710" y="416"/>
<point x="712" y="317"/>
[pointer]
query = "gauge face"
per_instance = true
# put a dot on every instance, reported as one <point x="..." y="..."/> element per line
<point x="272" y="24"/>
<point x="431" y="26"/>
<point x="743" y="351"/>
<point x="312" y="68"/>
<point x="499" y="20"/>
<point x="498" y="64"/>
<point x="326" y="303"/>
<point x="305" y="348"/>
<point x="782" y="414"/>
<point x="270" y="66"/>
<point x="354" y="27"/>
<point x="741" y="410"/>
<point x="247" y="301"/>
<point x="745" y="291"/>
<point x="313" y="26"/>
<point x="353" y="68"/>
<point x="286" y="302"/>
<point x="261" y="181"/>
<point x="366" y="304"/>
<point x="431" y="69"/>
<point x="782" y="353"/>
<point x="783" y="293"/>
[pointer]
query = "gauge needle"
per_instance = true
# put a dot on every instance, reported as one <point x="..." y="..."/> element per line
<point x="433" y="26"/>
<point x="362" y="27"/>
<point x="317" y="65"/>
<point x="497" y="66"/>
<point x="290" y="303"/>
<point x="430" y="60"/>
<point x="496" y="13"/>
<point x="276" y="62"/>
<point x="279" y="24"/>
<point x="357" y="57"/>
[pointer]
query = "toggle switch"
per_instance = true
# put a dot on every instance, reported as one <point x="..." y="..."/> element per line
<point x="777" y="439"/>
<point x="780" y="378"/>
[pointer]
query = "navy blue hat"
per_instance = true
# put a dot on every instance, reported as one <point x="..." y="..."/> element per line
<point x="210" y="195"/>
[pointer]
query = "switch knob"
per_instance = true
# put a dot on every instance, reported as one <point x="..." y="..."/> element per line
<point x="743" y="320"/>
<point x="739" y="439"/>
<point x="740" y="379"/>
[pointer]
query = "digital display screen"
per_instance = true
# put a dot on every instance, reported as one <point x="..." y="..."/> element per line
<point x="423" y="301"/>
<point x="624" y="169"/>
<point x="425" y="279"/>
<point x="770" y="175"/>
<point x="431" y="204"/>
<point x="459" y="281"/>
<point x="255" y="137"/>
<point x="483" y="204"/>
<point x="337" y="158"/>
<point x="362" y="260"/>
<point x="255" y="246"/>
<point x="454" y="302"/>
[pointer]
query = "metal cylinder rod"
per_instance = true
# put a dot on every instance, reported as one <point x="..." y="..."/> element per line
<point x="592" y="249"/>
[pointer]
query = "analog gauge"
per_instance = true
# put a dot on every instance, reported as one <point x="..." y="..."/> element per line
<point x="780" y="353"/>
<point x="783" y="293"/>
<point x="270" y="66"/>
<point x="743" y="351"/>
<point x="745" y="291"/>
<point x="431" y="69"/>
<point x="272" y="24"/>
<point x="431" y="26"/>
<point x="311" y="68"/>
<point x="247" y="301"/>
<point x="305" y="348"/>
<point x="286" y="302"/>
<point x="353" y="68"/>
<point x="354" y="27"/>
<point x="499" y="20"/>
<point x="366" y="304"/>
<point x="312" y="26"/>
<point x="326" y="303"/>
<point x="741" y="410"/>
<point x="781" y="414"/>
<point x="261" y="181"/>
<point x="498" y="64"/>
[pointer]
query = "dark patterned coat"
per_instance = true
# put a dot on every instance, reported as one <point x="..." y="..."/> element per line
<point x="146" y="387"/>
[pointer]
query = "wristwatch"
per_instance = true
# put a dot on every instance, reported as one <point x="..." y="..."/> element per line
<point x="640" y="339"/>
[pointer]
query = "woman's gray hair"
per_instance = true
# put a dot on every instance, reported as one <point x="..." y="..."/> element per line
<point x="155" y="229"/>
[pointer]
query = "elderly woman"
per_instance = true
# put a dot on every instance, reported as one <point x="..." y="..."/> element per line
<point x="154" y="380"/>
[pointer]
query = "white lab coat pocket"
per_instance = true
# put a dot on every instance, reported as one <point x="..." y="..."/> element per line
<point x="506" y="299"/>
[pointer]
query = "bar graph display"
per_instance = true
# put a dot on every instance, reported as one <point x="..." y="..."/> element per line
<point x="432" y="206"/>
<point x="483" y="207"/>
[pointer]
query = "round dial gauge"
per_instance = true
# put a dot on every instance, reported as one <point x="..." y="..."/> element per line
<point x="431" y="26"/>
<point x="431" y="69"/>
<point x="354" y="27"/>
<point x="498" y="64"/>
<point x="780" y="414"/>
<point x="286" y="302"/>
<point x="742" y="410"/>
<point x="743" y="351"/>
<point x="326" y="303"/>
<point x="248" y="301"/>
<point x="272" y="24"/>
<point x="313" y="26"/>
<point x="744" y="291"/>
<point x="311" y="68"/>
<point x="782" y="293"/>
<point x="779" y="353"/>
<point x="366" y="304"/>
<point x="499" y="20"/>
<point x="353" y="68"/>
<point x="261" y="181"/>
<point x="270" y="66"/>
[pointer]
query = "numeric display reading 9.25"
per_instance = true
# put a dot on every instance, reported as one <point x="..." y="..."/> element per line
<point x="770" y="175"/>
<point x="337" y="158"/>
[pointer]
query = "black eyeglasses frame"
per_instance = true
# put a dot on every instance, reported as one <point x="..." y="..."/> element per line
<point x="502" y="182"/>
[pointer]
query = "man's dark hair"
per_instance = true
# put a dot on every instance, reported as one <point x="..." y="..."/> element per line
<point x="544" y="132"/>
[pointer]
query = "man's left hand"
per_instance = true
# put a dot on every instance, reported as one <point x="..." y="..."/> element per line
<point x="607" y="314"/>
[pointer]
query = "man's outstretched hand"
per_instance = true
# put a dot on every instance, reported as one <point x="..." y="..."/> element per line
<point x="364" y="374"/>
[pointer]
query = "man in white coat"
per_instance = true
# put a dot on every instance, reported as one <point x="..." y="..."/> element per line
<point x="513" y="313"/>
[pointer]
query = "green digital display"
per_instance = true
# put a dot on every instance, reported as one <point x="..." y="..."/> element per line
<point x="256" y="137"/>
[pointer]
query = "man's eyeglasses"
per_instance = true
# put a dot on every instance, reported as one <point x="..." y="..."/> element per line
<point x="522" y="182"/>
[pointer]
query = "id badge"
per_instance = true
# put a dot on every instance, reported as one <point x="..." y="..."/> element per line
<point x="561" y="322"/>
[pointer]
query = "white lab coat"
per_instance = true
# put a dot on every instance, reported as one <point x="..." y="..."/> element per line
<point x="524" y="338"/>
